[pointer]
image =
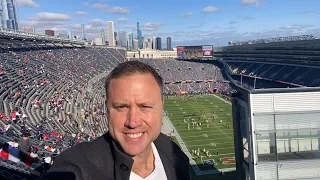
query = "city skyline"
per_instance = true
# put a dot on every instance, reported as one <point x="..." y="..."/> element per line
<point x="205" y="22"/>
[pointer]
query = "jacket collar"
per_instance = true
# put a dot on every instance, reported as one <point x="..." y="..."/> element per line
<point x="123" y="163"/>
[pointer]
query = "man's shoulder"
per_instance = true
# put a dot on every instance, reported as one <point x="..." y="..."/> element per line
<point x="168" y="147"/>
<point x="87" y="149"/>
<point x="87" y="160"/>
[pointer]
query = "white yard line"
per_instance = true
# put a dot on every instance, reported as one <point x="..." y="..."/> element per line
<point x="209" y="135"/>
<point x="224" y="134"/>
<point x="204" y="139"/>
<point x="217" y="148"/>
<point x="215" y="143"/>
<point x="222" y="99"/>
<point x="197" y="131"/>
<point x="219" y="155"/>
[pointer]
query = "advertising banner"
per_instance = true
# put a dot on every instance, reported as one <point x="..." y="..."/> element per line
<point x="207" y="51"/>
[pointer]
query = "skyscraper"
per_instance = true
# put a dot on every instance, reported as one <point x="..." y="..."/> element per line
<point x="103" y="36"/>
<point x="148" y="38"/>
<point x="154" y="43"/>
<point x="111" y="34"/>
<point x="135" y="44"/>
<point x="130" y="41"/>
<point x="116" y="38"/>
<point x="83" y="36"/>
<point x="8" y="14"/>
<point x="69" y="33"/>
<point x="139" y="36"/>
<point x="123" y="39"/>
<point x="169" y="43"/>
<point x="158" y="43"/>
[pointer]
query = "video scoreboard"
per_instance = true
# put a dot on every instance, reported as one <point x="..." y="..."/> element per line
<point x="194" y="52"/>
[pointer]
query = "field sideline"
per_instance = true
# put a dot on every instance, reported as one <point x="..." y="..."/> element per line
<point x="210" y="128"/>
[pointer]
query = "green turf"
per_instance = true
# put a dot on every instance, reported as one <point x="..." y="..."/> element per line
<point x="215" y="138"/>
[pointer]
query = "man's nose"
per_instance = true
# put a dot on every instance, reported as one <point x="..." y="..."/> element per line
<point x="133" y="118"/>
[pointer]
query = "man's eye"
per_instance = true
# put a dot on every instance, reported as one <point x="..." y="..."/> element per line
<point x="120" y="107"/>
<point x="146" y="107"/>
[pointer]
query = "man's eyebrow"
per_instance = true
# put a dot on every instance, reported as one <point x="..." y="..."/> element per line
<point x="119" y="103"/>
<point x="147" y="103"/>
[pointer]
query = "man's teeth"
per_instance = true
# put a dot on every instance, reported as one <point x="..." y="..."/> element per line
<point x="134" y="136"/>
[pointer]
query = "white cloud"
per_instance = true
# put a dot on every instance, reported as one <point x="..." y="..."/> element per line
<point x="92" y="27"/>
<point x="256" y="3"/>
<point x="186" y="14"/>
<point x="97" y="22"/>
<point x="27" y="3"/>
<point x="110" y="9"/>
<point x="295" y="26"/>
<point x="122" y="19"/>
<point x="195" y="26"/>
<point x="233" y="22"/>
<point x="39" y="24"/>
<point x="248" y="1"/>
<point x="118" y="10"/>
<point x="151" y="26"/>
<point x="81" y="13"/>
<point x="209" y="9"/>
<point x="247" y="17"/>
<point x="133" y="27"/>
<point x="85" y="4"/>
<point x="100" y="6"/>
<point x="51" y="16"/>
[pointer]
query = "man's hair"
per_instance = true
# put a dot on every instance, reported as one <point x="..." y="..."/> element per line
<point x="129" y="68"/>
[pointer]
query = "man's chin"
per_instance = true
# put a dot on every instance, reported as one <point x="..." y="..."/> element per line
<point x="135" y="149"/>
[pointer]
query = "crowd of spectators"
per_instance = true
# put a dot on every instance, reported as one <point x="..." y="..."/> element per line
<point x="190" y="77"/>
<point x="272" y="40"/>
<point x="53" y="98"/>
<point x="43" y="103"/>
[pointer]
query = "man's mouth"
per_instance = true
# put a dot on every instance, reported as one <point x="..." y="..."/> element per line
<point x="134" y="136"/>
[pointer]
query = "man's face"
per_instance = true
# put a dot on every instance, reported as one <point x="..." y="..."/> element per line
<point x="134" y="112"/>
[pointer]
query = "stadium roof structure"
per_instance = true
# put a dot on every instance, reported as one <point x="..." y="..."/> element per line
<point x="24" y="36"/>
<point x="271" y="40"/>
<point x="276" y="133"/>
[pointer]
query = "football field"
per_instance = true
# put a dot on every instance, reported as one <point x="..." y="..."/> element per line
<point x="204" y="123"/>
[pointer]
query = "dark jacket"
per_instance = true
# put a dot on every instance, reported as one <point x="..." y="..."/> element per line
<point x="102" y="159"/>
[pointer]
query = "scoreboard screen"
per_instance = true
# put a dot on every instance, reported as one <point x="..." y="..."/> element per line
<point x="180" y="52"/>
<point x="194" y="52"/>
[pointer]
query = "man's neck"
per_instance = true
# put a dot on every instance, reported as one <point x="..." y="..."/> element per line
<point x="144" y="163"/>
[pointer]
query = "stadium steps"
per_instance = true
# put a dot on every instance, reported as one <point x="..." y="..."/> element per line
<point x="6" y="109"/>
<point x="266" y="71"/>
<point x="272" y="76"/>
<point x="285" y="77"/>
<point x="30" y="116"/>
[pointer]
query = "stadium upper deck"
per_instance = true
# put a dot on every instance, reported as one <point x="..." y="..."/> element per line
<point x="292" y="62"/>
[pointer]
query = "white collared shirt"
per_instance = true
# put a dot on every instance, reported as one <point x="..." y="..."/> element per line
<point x="158" y="173"/>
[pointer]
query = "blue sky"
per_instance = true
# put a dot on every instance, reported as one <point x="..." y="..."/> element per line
<point x="188" y="22"/>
